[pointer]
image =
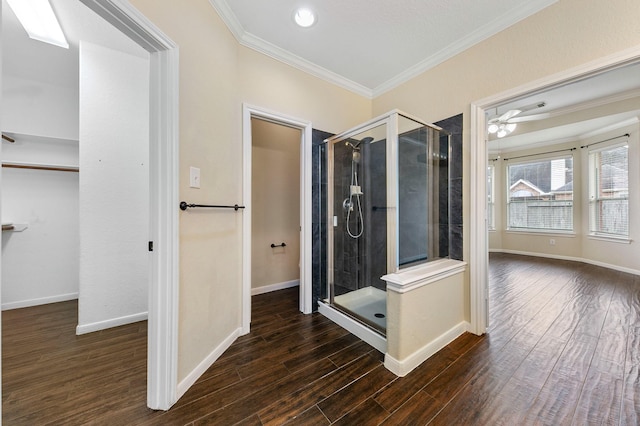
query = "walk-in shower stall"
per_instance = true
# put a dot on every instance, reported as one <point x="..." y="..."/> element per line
<point x="388" y="209"/>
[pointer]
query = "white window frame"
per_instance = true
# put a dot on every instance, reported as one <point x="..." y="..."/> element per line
<point x="594" y="200"/>
<point x="491" y="197"/>
<point x="507" y="182"/>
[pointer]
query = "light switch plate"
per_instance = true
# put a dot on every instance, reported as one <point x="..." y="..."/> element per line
<point x="194" y="177"/>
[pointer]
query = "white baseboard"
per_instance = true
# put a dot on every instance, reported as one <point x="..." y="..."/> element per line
<point x="354" y="327"/>
<point x="574" y="259"/>
<point x="39" y="301"/>
<point x="192" y="377"/>
<point x="274" y="287"/>
<point x="403" y="367"/>
<point x="110" y="323"/>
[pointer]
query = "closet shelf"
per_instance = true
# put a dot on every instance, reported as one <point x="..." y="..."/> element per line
<point x="40" y="166"/>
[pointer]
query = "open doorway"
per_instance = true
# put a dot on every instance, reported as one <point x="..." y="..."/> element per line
<point x="303" y="130"/>
<point x="275" y="201"/>
<point x="162" y="192"/>
<point x="588" y="108"/>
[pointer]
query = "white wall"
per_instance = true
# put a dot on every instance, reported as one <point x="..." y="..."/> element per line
<point x="39" y="108"/>
<point x="114" y="187"/>
<point x="40" y="264"/>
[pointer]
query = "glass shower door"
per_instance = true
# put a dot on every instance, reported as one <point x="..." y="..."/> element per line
<point x="359" y="226"/>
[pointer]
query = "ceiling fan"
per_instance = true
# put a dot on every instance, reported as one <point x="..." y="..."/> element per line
<point x="506" y="123"/>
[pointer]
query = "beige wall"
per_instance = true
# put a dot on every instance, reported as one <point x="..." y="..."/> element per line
<point x="267" y="83"/>
<point x="216" y="76"/>
<point x="417" y="318"/>
<point x="275" y="203"/>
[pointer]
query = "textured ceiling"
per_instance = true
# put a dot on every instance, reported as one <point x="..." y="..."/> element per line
<point x="370" y="46"/>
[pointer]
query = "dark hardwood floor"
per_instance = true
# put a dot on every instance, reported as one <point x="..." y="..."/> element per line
<point x="563" y="348"/>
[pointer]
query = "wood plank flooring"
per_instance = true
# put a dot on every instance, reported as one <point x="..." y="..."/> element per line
<point x="563" y="348"/>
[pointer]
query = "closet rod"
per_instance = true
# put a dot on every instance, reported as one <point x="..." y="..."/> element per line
<point x="41" y="167"/>
<point x="184" y="206"/>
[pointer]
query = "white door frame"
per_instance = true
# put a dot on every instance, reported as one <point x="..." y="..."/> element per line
<point x="479" y="250"/>
<point x="249" y="112"/>
<point x="162" y="352"/>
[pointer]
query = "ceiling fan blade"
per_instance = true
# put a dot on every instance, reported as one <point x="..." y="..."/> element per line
<point x="509" y="114"/>
<point x="525" y="118"/>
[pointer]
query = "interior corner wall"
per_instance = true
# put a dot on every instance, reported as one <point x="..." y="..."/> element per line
<point x="275" y="205"/>
<point x="565" y="35"/>
<point x="218" y="75"/>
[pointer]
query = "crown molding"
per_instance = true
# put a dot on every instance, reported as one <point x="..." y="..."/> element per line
<point x="490" y="29"/>
<point x="260" y="45"/>
<point x="256" y="43"/>
<point x="229" y="18"/>
<point x="282" y="55"/>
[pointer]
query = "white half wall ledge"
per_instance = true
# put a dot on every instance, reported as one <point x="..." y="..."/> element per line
<point x="114" y="322"/>
<point x="274" y="287"/>
<point x="204" y="365"/>
<point x="403" y="367"/>
<point x="415" y="277"/>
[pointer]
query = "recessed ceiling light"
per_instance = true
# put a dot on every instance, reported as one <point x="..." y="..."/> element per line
<point x="304" y="17"/>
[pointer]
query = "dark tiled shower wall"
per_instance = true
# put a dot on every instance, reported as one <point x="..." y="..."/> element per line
<point x="453" y="125"/>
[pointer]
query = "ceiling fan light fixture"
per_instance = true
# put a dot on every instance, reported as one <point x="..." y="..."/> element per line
<point x="493" y="128"/>
<point x="502" y="133"/>
<point x="304" y="17"/>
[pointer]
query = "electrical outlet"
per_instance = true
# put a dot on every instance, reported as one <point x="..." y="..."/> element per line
<point x="552" y="242"/>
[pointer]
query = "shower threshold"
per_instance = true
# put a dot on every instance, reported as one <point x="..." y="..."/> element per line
<point x="362" y="312"/>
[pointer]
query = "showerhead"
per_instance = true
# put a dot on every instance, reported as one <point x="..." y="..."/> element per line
<point x="357" y="145"/>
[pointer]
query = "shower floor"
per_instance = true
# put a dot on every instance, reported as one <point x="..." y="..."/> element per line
<point x="369" y="303"/>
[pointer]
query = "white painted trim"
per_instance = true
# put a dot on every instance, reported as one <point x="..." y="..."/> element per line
<point x="403" y="367"/>
<point x="260" y="45"/>
<point x="110" y="323"/>
<point x="162" y="353"/>
<point x="354" y="327"/>
<point x="192" y="377"/>
<point x="274" y="287"/>
<point x="570" y="258"/>
<point x="411" y="279"/>
<point x="248" y="112"/>
<point x="478" y="227"/>
<point x="39" y="301"/>
<point x="491" y="28"/>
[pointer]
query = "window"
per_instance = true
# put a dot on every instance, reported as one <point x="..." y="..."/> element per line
<point x="540" y="195"/>
<point x="609" y="191"/>
<point x="491" y="205"/>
